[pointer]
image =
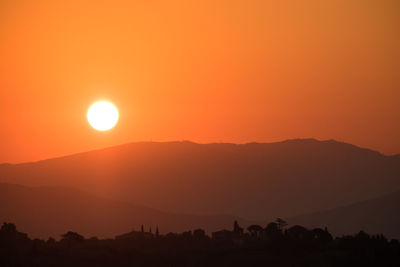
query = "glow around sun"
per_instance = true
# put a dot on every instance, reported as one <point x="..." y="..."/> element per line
<point x="102" y="115"/>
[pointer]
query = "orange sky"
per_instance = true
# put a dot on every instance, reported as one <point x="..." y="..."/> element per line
<point x="206" y="71"/>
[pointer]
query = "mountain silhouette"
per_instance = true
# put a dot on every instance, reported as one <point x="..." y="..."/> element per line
<point x="51" y="211"/>
<point x="375" y="216"/>
<point x="257" y="181"/>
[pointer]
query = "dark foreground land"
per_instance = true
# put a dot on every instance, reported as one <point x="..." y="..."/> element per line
<point x="274" y="245"/>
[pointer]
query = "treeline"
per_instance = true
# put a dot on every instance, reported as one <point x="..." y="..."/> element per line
<point x="273" y="245"/>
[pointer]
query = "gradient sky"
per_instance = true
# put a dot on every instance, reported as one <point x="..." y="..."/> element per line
<point x="207" y="71"/>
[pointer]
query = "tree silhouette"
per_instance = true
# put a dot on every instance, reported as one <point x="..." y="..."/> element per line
<point x="255" y="230"/>
<point x="297" y="232"/>
<point x="322" y="236"/>
<point x="281" y="223"/>
<point x="199" y="234"/>
<point x="8" y="227"/>
<point x="51" y="241"/>
<point x="272" y="231"/>
<point x="237" y="229"/>
<point x="9" y="231"/>
<point x="297" y="246"/>
<point x="72" y="237"/>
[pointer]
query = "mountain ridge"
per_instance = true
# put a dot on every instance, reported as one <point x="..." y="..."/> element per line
<point x="294" y="140"/>
<point x="258" y="181"/>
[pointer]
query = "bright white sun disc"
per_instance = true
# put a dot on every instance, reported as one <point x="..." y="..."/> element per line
<point x="102" y="115"/>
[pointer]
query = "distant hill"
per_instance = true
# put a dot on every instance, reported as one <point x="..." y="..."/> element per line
<point x="52" y="211"/>
<point x="375" y="216"/>
<point x="258" y="181"/>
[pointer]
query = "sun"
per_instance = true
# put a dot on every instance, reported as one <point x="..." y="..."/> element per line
<point x="102" y="115"/>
